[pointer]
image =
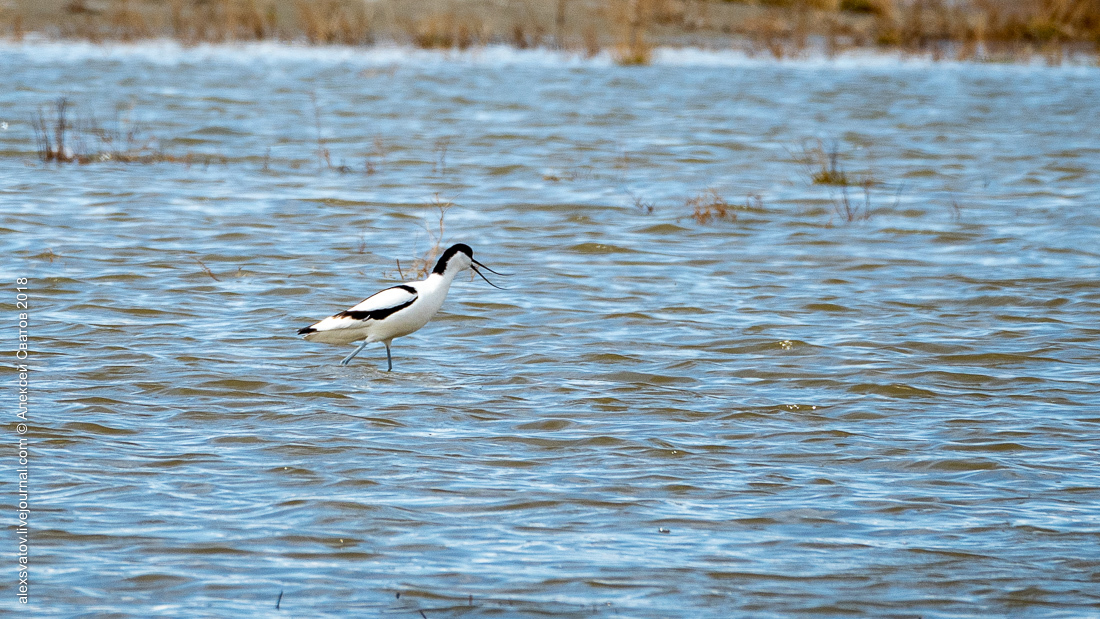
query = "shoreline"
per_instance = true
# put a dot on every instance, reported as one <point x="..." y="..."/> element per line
<point x="171" y="51"/>
<point x="629" y="31"/>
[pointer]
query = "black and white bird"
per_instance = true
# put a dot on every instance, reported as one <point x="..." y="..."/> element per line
<point x="396" y="311"/>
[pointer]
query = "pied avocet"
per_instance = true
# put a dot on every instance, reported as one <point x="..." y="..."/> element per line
<point x="396" y="311"/>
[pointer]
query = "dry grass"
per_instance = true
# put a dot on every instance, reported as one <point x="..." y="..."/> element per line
<point x="193" y="21"/>
<point x="632" y="19"/>
<point x="710" y="205"/>
<point x="962" y="29"/>
<point x="445" y="31"/>
<point x="990" y="26"/>
<point x="334" y="21"/>
<point x="592" y="45"/>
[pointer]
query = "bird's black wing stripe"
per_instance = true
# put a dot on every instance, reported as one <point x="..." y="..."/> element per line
<point x="406" y="288"/>
<point x="377" y="314"/>
<point x="305" y="330"/>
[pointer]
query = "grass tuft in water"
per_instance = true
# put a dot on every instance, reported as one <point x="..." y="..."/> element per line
<point x="711" y="206"/>
<point x="823" y="163"/>
<point x="62" y="137"/>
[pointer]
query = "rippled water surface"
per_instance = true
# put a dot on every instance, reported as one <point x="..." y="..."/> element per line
<point x="784" y="413"/>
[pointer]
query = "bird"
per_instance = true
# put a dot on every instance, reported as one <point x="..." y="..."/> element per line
<point x="398" y="310"/>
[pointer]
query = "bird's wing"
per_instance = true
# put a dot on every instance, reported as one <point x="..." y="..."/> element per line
<point x="375" y="307"/>
<point x="384" y="303"/>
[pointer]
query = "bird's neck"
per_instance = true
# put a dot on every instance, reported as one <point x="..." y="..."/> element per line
<point x="440" y="280"/>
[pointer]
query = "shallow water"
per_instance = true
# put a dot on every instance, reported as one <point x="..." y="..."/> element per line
<point x="787" y="414"/>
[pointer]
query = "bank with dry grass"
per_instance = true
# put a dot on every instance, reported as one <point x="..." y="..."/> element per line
<point x="628" y="29"/>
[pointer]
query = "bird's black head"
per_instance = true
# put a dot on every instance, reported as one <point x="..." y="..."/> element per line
<point x="460" y="248"/>
<point x="465" y="260"/>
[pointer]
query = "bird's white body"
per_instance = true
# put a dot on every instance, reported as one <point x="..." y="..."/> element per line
<point x="418" y="303"/>
<point x="395" y="311"/>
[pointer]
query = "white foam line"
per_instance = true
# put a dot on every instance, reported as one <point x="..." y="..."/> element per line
<point x="37" y="50"/>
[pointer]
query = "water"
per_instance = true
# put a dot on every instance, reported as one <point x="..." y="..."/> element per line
<point x="788" y="414"/>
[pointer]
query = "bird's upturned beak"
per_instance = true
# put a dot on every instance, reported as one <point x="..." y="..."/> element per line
<point x="477" y="264"/>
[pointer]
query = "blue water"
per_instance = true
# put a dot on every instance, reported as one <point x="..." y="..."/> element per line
<point x="876" y="399"/>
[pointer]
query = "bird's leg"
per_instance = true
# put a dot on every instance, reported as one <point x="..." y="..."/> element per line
<point x="389" y="359"/>
<point x="348" y="358"/>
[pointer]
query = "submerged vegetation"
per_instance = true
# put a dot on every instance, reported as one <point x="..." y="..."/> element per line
<point x="628" y="29"/>
<point x="824" y="163"/>
<point x="62" y="136"/>
<point x="850" y="210"/>
<point x="709" y="205"/>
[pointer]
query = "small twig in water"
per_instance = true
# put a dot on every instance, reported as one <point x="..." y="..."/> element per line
<point x="207" y="270"/>
<point x="376" y="158"/>
<point x="279" y="601"/>
<point x="322" y="150"/>
<point x="956" y="209"/>
<point x="642" y="204"/>
<point x="441" y="146"/>
<point x="423" y="266"/>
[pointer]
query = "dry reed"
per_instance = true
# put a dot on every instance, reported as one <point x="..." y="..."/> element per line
<point x="445" y="31"/>
<point x="851" y="211"/>
<point x="422" y="265"/>
<point x="939" y="28"/>
<point x="334" y="21"/>
<point x="632" y="18"/>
